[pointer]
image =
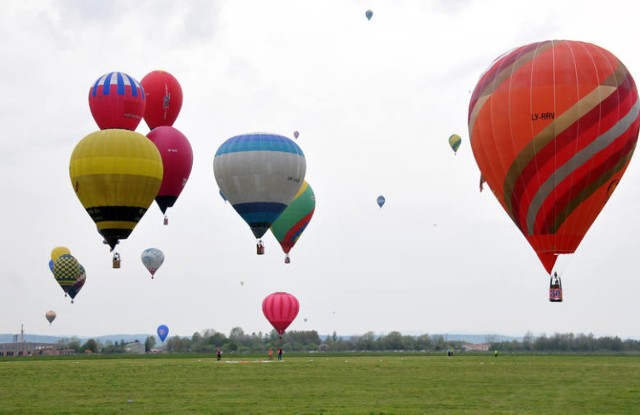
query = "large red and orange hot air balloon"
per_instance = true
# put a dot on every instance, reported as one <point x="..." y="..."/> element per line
<point x="553" y="126"/>
<point x="164" y="98"/>
<point x="280" y="309"/>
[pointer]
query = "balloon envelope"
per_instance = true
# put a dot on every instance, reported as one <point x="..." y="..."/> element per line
<point x="295" y="218"/>
<point x="380" y="201"/>
<point x="66" y="271"/>
<point x="75" y="288"/>
<point x="553" y="126"/>
<point x="296" y="134"/>
<point x="454" y="141"/>
<point x="50" y="316"/>
<point x="369" y="14"/>
<point x="280" y="308"/>
<point x="116" y="174"/>
<point x="117" y="100"/>
<point x="152" y="258"/>
<point x="164" y="99"/>
<point x="57" y="251"/>
<point x="163" y="331"/>
<point x="177" y="160"/>
<point x="259" y="174"/>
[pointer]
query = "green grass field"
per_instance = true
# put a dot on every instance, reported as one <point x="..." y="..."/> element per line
<point x="319" y="384"/>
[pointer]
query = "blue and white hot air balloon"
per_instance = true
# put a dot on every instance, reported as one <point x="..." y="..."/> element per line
<point x="259" y="174"/>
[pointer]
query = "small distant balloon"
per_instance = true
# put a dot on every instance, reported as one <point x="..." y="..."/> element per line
<point x="163" y="331"/>
<point x="369" y="14"/>
<point x="50" y="315"/>
<point x="296" y="134"/>
<point x="454" y="141"/>
<point x="381" y="200"/>
<point x="152" y="259"/>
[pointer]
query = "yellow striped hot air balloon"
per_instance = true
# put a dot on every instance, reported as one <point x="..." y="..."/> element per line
<point x="116" y="174"/>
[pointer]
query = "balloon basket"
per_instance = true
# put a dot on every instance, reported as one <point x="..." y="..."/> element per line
<point x="116" y="260"/>
<point x="287" y="260"/>
<point x="555" y="290"/>
<point x="166" y="220"/>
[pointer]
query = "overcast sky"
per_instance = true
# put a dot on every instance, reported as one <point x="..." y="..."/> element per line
<point x="374" y="101"/>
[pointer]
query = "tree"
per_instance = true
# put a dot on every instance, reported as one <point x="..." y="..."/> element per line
<point x="149" y="344"/>
<point x="90" y="345"/>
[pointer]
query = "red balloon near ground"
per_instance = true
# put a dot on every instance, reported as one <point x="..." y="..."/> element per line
<point x="280" y="309"/>
<point x="177" y="160"/>
<point x="164" y="99"/>
<point x="117" y="100"/>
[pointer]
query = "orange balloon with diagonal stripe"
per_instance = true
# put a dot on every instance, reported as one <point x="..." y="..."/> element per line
<point x="553" y="126"/>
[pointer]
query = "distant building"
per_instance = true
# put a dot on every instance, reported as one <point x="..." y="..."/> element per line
<point x="473" y="347"/>
<point x="134" y="348"/>
<point x="33" y="349"/>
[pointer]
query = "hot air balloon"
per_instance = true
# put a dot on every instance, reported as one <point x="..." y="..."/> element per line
<point x="280" y="308"/>
<point x="295" y="218"/>
<point x="553" y="126"/>
<point x="75" y="288"/>
<point x="66" y="271"/>
<point x="369" y="14"/>
<point x="177" y="159"/>
<point x="296" y="134"/>
<point x="116" y="174"/>
<point x="259" y="174"/>
<point x="454" y="141"/>
<point x="57" y="251"/>
<point x="164" y="99"/>
<point x="117" y="100"/>
<point x="380" y="200"/>
<point x="163" y="331"/>
<point x="152" y="258"/>
<point x="50" y="316"/>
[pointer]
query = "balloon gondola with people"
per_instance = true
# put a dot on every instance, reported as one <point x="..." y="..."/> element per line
<point x="553" y="126"/>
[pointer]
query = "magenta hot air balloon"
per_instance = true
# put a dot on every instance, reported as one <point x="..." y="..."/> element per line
<point x="280" y="308"/>
<point x="177" y="160"/>
<point x="117" y="100"/>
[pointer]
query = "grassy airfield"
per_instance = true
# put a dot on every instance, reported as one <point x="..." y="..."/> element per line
<point x="322" y="384"/>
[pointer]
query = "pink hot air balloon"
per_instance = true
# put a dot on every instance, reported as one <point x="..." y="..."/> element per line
<point x="177" y="160"/>
<point x="280" y="309"/>
<point x="164" y="99"/>
<point x="117" y="100"/>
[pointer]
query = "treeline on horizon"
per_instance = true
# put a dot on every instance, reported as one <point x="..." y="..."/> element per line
<point x="208" y="341"/>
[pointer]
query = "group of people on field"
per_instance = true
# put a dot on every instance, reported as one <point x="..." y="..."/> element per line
<point x="279" y="353"/>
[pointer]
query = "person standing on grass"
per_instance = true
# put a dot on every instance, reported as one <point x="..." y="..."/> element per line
<point x="218" y="354"/>
<point x="270" y="353"/>
<point x="279" y="353"/>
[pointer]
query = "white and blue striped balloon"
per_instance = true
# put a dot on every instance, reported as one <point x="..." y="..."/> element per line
<point x="259" y="174"/>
